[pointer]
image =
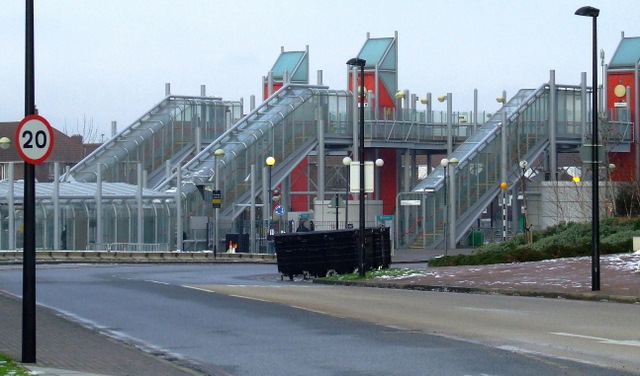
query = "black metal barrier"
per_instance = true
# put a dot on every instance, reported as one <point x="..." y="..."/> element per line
<point x="316" y="253"/>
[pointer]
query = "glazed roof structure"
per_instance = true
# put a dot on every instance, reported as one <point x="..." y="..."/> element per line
<point x="627" y="54"/>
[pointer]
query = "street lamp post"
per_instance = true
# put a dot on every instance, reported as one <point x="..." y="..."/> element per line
<point x="445" y="164"/>
<point x="503" y="186"/>
<point x="592" y="12"/>
<point x="270" y="162"/>
<point x="219" y="153"/>
<point x="449" y="100"/>
<point x="347" y="162"/>
<point x="360" y="63"/>
<point x="523" y="165"/>
<point x="453" y="162"/>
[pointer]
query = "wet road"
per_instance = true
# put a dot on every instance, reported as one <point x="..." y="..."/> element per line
<point x="242" y="320"/>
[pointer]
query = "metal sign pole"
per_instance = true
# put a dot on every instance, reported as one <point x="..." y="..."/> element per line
<point x="29" y="252"/>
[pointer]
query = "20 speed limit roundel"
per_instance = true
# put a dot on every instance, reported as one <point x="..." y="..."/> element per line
<point x="34" y="139"/>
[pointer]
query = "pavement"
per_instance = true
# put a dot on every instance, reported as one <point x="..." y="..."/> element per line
<point x="66" y="348"/>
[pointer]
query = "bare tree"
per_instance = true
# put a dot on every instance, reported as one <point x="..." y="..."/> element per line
<point x="87" y="130"/>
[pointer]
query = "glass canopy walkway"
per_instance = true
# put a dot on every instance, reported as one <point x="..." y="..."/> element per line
<point x="170" y="133"/>
<point x="176" y="142"/>
<point x="530" y="120"/>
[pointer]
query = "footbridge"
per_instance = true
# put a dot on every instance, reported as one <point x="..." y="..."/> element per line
<point x="534" y="126"/>
<point x="195" y="146"/>
<point x="299" y="120"/>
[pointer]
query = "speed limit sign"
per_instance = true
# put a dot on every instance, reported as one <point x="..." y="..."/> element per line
<point x="34" y="137"/>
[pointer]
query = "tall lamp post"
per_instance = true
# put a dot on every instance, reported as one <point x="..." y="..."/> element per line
<point x="592" y="12"/>
<point x="445" y="164"/>
<point x="347" y="162"/>
<point x="357" y="62"/>
<point x="504" y="186"/>
<point x="527" y="235"/>
<point x="270" y="162"/>
<point x="218" y="154"/>
<point x="453" y="162"/>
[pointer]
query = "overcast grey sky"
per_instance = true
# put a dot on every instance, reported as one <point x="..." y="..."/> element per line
<point x="109" y="59"/>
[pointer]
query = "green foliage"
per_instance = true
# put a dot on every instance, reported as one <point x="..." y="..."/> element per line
<point x="562" y="240"/>
<point x="391" y="272"/>
<point x="8" y="367"/>
<point x="619" y="242"/>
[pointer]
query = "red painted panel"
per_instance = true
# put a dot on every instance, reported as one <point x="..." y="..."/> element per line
<point x="389" y="180"/>
<point x="620" y="78"/>
<point x="265" y="92"/>
<point x="385" y="99"/>
<point x="624" y="161"/>
<point x="625" y="165"/>
<point x="300" y="183"/>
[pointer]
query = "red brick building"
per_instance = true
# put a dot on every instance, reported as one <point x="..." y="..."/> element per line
<point x="67" y="151"/>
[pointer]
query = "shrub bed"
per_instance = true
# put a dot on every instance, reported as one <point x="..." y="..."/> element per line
<point x="562" y="240"/>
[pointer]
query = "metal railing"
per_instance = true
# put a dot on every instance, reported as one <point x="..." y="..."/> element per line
<point x="128" y="247"/>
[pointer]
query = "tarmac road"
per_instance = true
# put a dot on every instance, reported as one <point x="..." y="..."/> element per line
<point x="588" y="332"/>
<point x="327" y="330"/>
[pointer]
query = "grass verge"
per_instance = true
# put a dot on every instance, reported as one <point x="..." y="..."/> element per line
<point x="9" y="367"/>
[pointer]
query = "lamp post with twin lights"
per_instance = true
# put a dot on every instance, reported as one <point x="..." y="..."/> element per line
<point x="347" y="162"/>
<point x="449" y="207"/>
<point x="527" y="234"/>
<point x="270" y="161"/>
<point x="216" y="201"/>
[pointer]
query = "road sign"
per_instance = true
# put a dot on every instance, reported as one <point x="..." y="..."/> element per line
<point x="34" y="139"/>
<point x="216" y="199"/>
<point x="279" y="209"/>
<point x="336" y="202"/>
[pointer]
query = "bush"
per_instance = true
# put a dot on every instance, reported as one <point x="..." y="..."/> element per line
<point x="559" y="241"/>
<point x="617" y="243"/>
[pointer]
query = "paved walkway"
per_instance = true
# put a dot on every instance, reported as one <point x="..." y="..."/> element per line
<point x="65" y="345"/>
<point x="569" y="278"/>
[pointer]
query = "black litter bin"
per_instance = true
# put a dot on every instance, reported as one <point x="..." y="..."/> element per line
<point x="316" y="253"/>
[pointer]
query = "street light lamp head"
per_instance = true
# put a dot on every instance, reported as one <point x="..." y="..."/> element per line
<point x="444" y="162"/>
<point x="424" y="100"/>
<point x="356" y="62"/>
<point x="500" y="99"/>
<point x="346" y="161"/>
<point x="379" y="162"/>
<point x="5" y="142"/>
<point x="270" y="161"/>
<point x="523" y="164"/>
<point x="219" y="153"/>
<point x="400" y="95"/>
<point x="442" y="98"/>
<point x="453" y="161"/>
<point x="588" y="12"/>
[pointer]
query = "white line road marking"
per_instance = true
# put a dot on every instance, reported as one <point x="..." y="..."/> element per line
<point x="197" y="288"/>
<point x="607" y="341"/>
<point x="248" y="297"/>
<point x="311" y="310"/>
